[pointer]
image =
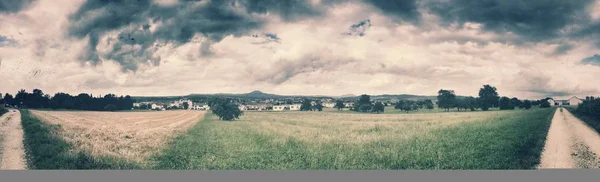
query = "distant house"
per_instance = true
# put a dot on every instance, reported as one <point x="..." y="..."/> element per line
<point x="574" y="101"/>
<point x="242" y="107"/>
<point x="294" y="107"/>
<point x="290" y="107"/>
<point x="329" y="104"/>
<point x="551" y="102"/>
<point x="348" y="104"/>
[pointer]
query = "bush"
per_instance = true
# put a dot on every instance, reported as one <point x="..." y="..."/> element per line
<point x="226" y="110"/>
<point x="3" y="111"/>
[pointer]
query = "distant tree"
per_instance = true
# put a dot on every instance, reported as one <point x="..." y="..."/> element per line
<point x="429" y="104"/>
<point x="20" y="98"/>
<point x="8" y="99"/>
<point x="516" y="102"/>
<point x="186" y="105"/>
<point x="472" y="103"/>
<point x="225" y="109"/>
<point x="544" y="103"/>
<point x="110" y="107"/>
<point x="363" y="104"/>
<point x="306" y="105"/>
<point x="505" y="104"/>
<point x="446" y="99"/>
<point x="339" y="105"/>
<point x="527" y="104"/>
<point x="535" y="102"/>
<point x="379" y="107"/>
<point x="488" y="97"/>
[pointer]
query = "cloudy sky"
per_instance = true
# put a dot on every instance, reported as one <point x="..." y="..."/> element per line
<point x="527" y="49"/>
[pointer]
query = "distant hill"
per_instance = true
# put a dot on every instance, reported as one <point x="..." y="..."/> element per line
<point x="257" y="94"/>
<point x="395" y="97"/>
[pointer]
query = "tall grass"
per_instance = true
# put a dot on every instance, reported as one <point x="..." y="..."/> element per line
<point x="45" y="149"/>
<point x="502" y="140"/>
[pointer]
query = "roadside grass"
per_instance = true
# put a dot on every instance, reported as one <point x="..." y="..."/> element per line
<point x="45" y="149"/>
<point x="591" y="121"/>
<point x="3" y="111"/>
<point x="277" y="141"/>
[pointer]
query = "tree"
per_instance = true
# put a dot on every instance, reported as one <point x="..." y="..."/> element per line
<point x="186" y="105"/>
<point x="339" y="105"/>
<point x="379" y="107"/>
<point x="8" y="99"/>
<point x="110" y="107"/>
<point x="516" y="102"/>
<point x="544" y="103"/>
<point x="319" y="106"/>
<point x="446" y="99"/>
<point x="429" y="104"/>
<point x="505" y="104"/>
<point x="306" y="105"/>
<point x="364" y="104"/>
<point x="226" y="110"/>
<point x="527" y="104"/>
<point x="488" y="97"/>
<point x="20" y="98"/>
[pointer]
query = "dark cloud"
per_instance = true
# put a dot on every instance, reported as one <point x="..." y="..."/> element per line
<point x="178" y="24"/>
<point x="594" y="60"/>
<point x="6" y="41"/>
<point x="532" y="20"/>
<point x="563" y="48"/>
<point x="403" y="10"/>
<point x="13" y="6"/>
<point x="358" y="29"/>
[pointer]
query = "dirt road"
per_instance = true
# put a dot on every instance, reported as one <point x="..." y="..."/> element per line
<point x="570" y="143"/>
<point x="13" y="154"/>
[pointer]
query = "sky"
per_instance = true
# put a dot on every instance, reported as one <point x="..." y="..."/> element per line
<point x="526" y="49"/>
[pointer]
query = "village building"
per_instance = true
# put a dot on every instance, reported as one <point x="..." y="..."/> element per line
<point x="287" y="107"/>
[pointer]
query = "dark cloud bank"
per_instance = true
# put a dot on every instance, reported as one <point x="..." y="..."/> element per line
<point x="531" y="21"/>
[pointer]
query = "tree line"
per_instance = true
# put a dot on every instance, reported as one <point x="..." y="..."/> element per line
<point x="590" y="107"/>
<point x="38" y="100"/>
<point x="488" y="98"/>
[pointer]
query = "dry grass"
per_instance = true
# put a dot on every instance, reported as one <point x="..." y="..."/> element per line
<point x="134" y="136"/>
<point x="352" y="128"/>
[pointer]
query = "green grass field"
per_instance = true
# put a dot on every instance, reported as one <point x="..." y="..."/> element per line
<point x="341" y="140"/>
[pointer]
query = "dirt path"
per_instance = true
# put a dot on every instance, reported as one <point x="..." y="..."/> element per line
<point x="570" y="143"/>
<point x="12" y="144"/>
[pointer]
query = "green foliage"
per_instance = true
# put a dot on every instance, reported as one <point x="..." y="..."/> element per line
<point x="3" y="111"/>
<point x="339" y="105"/>
<point x="225" y="109"/>
<point x="378" y="108"/>
<point x="505" y="104"/>
<point x="544" y="103"/>
<point x="306" y="106"/>
<point x="446" y="99"/>
<point x="44" y="149"/>
<point x="186" y="105"/>
<point x="110" y="107"/>
<point x="363" y="104"/>
<point x="488" y="97"/>
<point x="527" y="104"/>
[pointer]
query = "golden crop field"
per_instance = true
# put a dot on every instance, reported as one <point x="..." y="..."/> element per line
<point x="134" y="136"/>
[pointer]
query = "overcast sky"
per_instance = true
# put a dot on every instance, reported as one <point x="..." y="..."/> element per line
<point x="527" y="49"/>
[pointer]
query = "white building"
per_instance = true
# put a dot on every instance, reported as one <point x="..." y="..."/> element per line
<point x="329" y="104"/>
<point x="290" y="107"/>
<point x="574" y="101"/>
<point x="157" y="107"/>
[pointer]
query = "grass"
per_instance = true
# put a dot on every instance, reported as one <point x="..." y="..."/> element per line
<point x="3" y="111"/>
<point x="591" y="121"/>
<point x="45" y="149"/>
<point x="326" y="140"/>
